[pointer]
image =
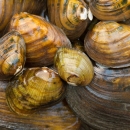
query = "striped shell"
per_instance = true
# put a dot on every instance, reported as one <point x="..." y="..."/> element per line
<point x="70" y="15"/>
<point x="73" y="66"/>
<point x="35" y="87"/>
<point x="10" y="7"/>
<point x="12" y="55"/>
<point x="42" y="38"/>
<point x="108" y="43"/>
<point x="117" y="10"/>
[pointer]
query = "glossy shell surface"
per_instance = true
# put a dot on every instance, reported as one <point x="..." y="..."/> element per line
<point x="12" y="55"/>
<point x="117" y="10"/>
<point x="10" y="7"/>
<point x="35" y="87"/>
<point x="70" y="15"/>
<point x="108" y="43"/>
<point x="105" y="99"/>
<point x="73" y="66"/>
<point x="41" y="37"/>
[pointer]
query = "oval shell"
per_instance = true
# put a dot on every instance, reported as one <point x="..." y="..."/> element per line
<point x="12" y="55"/>
<point x="105" y="99"/>
<point x="108" y="43"/>
<point x="35" y="87"/>
<point x="41" y="37"/>
<point x="73" y="66"/>
<point x="70" y="15"/>
<point x="116" y="10"/>
<point x="10" y="7"/>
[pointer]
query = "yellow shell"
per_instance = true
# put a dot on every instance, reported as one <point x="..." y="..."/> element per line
<point x="35" y="87"/>
<point x="70" y="15"/>
<point x="41" y="37"/>
<point x="74" y="66"/>
<point x="12" y="55"/>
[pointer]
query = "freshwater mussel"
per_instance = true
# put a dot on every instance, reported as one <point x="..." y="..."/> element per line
<point x="117" y="10"/>
<point x="71" y="15"/>
<point x="41" y="37"/>
<point x="73" y="66"/>
<point x="108" y="43"/>
<point x="38" y="86"/>
<point x="12" y="55"/>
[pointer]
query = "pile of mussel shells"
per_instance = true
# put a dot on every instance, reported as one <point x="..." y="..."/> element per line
<point x="78" y="50"/>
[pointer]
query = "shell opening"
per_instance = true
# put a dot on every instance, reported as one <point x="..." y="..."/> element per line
<point x="82" y="12"/>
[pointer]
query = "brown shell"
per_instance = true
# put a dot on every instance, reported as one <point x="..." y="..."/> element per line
<point x="12" y="55"/>
<point x="41" y="37"/>
<point x="108" y="43"/>
<point x="117" y="10"/>
<point x="35" y="87"/>
<point x="73" y="66"/>
<point x="65" y="14"/>
<point x="105" y="103"/>
<point x="9" y="7"/>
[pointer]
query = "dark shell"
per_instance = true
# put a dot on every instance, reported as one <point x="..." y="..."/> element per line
<point x="41" y="37"/>
<point x="12" y="55"/>
<point x="105" y="103"/>
<point x="108" y="43"/>
<point x="10" y="7"/>
<point x="73" y="66"/>
<point x="116" y="10"/>
<point x="65" y="14"/>
<point x="35" y="87"/>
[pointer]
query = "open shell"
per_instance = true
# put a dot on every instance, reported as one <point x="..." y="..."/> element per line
<point x="12" y="55"/>
<point x="35" y="87"/>
<point x="41" y="37"/>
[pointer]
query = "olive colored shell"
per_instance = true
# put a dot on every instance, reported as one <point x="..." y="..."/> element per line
<point x="9" y="7"/>
<point x="108" y="43"/>
<point x="67" y="15"/>
<point x="117" y="10"/>
<point x="12" y="55"/>
<point x="73" y="66"/>
<point x="105" y="103"/>
<point x="35" y="87"/>
<point x="41" y="37"/>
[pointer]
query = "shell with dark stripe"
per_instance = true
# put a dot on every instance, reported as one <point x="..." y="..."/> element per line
<point x="42" y="38"/>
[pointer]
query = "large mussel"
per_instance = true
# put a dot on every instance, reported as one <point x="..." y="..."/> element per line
<point x="12" y="55"/>
<point x="41" y="37"/>
<point x="108" y="43"/>
<point x="117" y="10"/>
<point x="73" y="66"/>
<point x="70" y="15"/>
<point x="9" y="7"/>
<point x="33" y="88"/>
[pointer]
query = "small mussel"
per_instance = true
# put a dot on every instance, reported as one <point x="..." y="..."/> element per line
<point x="12" y="55"/>
<point x="41" y="37"/>
<point x="73" y="66"/>
<point x="39" y="86"/>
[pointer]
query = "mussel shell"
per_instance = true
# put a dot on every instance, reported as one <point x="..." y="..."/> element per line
<point x="73" y="66"/>
<point x="35" y="87"/>
<point x="12" y="55"/>
<point x="41" y="37"/>
<point x="108" y="43"/>
<point x="64" y="14"/>
<point x="11" y="7"/>
<point x="116" y="10"/>
<point x="104" y="104"/>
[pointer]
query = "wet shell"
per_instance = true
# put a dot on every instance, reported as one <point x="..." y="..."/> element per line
<point x="35" y="87"/>
<point x="73" y="66"/>
<point x="12" y="55"/>
<point x="71" y="16"/>
<point x="105" y="103"/>
<point x="41" y="37"/>
<point x="108" y="43"/>
<point x="10" y="7"/>
<point x="117" y="10"/>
